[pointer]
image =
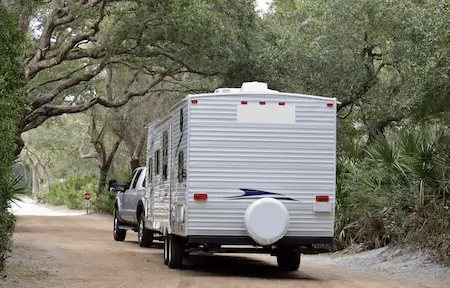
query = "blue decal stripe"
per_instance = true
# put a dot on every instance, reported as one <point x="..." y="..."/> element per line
<point x="251" y="193"/>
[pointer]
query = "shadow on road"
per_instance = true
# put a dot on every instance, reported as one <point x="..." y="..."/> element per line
<point x="230" y="265"/>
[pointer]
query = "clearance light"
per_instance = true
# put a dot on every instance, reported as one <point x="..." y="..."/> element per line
<point x="330" y="104"/>
<point x="322" y="198"/>
<point x="262" y="103"/>
<point x="194" y="101"/>
<point x="244" y="102"/>
<point x="281" y="103"/>
<point x="200" y="196"/>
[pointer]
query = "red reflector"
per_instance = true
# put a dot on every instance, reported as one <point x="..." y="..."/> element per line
<point x="194" y="101"/>
<point x="244" y="102"/>
<point x="330" y="104"/>
<point x="281" y="103"/>
<point x="262" y="103"/>
<point x="200" y="196"/>
<point x="322" y="198"/>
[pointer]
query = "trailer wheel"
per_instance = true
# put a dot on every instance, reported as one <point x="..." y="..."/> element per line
<point x="119" y="234"/>
<point x="145" y="236"/>
<point x="288" y="259"/>
<point x="166" y="249"/>
<point x="175" y="251"/>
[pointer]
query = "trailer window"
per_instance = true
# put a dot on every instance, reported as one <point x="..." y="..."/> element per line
<point x="181" y="171"/>
<point x="157" y="162"/>
<point x="150" y="170"/>
<point x="165" y="154"/>
<point x="181" y="119"/>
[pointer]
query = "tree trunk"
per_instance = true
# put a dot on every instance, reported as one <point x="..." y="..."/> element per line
<point x="135" y="163"/>
<point x="102" y="179"/>
<point x="35" y="180"/>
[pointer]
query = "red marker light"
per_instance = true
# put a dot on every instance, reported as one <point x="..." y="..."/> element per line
<point x="262" y="103"/>
<point x="322" y="198"/>
<point x="200" y="196"/>
<point x="244" y="102"/>
<point x="281" y="103"/>
<point x="330" y="104"/>
<point x="194" y="101"/>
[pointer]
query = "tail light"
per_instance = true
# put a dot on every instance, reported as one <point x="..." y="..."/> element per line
<point x="200" y="196"/>
<point x="322" y="198"/>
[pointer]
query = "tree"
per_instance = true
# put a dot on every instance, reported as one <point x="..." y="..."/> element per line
<point x="12" y="101"/>
<point x="77" y="40"/>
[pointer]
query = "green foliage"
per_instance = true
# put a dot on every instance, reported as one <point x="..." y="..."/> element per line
<point x="399" y="192"/>
<point x="12" y="108"/>
<point x="70" y="193"/>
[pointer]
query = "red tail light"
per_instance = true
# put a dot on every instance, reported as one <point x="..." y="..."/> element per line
<point x="322" y="198"/>
<point x="201" y="196"/>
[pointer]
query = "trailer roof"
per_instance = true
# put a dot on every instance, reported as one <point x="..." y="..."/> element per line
<point x="247" y="88"/>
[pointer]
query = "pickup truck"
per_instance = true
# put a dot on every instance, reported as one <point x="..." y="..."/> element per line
<point x="129" y="208"/>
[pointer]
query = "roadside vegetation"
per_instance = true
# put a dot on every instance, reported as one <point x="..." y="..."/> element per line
<point x="97" y="72"/>
<point x="12" y="103"/>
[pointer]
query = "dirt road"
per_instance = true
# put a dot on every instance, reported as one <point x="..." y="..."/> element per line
<point x="79" y="251"/>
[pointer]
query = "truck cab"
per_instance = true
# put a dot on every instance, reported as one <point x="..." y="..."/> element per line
<point x="129" y="209"/>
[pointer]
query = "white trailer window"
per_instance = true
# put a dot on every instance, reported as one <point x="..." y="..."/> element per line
<point x="157" y="160"/>
<point x="165" y="155"/>
<point x="181" y="171"/>
<point x="150" y="170"/>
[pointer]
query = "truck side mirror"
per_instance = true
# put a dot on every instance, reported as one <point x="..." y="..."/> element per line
<point x="112" y="185"/>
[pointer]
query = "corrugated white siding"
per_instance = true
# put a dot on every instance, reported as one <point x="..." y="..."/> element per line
<point x="295" y="160"/>
<point x="159" y="188"/>
<point x="178" y="189"/>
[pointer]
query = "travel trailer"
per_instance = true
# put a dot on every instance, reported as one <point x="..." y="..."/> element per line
<point x="245" y="170"/>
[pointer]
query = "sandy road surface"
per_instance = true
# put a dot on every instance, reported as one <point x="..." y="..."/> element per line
<point x="79" y="251"/>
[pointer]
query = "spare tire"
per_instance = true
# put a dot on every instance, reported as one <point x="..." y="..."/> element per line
<point x="266" y="221"/>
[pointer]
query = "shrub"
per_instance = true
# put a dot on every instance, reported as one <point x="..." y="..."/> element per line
<point x="70" y="192"/>
<point x="12" y="107"/>
<point x="397" y="192"/>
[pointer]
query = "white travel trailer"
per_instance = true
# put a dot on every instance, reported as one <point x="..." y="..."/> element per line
<point x="243" y="170"/>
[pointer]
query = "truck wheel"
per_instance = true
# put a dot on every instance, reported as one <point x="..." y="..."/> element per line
<point x="119" y="234"/>
<point x="145" y="236"/>
<point x="176" y="252"/>
<point x="288" y="259"/>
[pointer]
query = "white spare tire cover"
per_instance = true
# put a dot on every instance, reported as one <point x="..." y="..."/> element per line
<point x="266" y="221"/>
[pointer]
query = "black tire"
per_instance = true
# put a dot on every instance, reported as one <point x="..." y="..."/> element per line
<point x="119" y="234"/>
<point x="145" y="236"/>
<point x="175" y="252"/>
<point x="166" y="250"/>
<point x="288" y="259"/>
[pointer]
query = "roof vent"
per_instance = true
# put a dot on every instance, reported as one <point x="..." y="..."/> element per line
<point x="254" y="86"/>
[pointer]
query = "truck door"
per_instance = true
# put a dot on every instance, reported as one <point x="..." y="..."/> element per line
<point x="138" y="191"/>
<point x="127" y="208"/>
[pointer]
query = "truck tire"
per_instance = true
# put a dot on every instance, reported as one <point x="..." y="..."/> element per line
<point x="119" y="234"/>
<point x="288" y="259"/>
<point x="175" y="252"/>
<point x="145" y="236"/>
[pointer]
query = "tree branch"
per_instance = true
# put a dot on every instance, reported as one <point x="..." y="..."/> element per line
<point x="67" y="76"/>
<point x="47" y="98"/>
<point x="60" y="16"/>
